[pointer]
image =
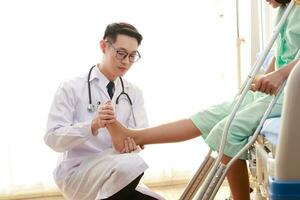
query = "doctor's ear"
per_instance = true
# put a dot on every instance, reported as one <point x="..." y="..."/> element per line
<point x="102" y="46"/>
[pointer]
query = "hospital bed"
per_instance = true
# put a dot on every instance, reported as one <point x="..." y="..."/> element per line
<point x="262" y="158"/>
<point x="274" y="162"/>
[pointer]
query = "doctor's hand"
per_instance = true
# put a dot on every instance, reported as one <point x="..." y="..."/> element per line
<point x="268" y="83"/>
<point x="105" y="115"/>
<point x="129" y="145"/>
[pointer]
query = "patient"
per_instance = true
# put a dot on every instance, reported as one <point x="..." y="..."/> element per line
<point x="209" y="123"/>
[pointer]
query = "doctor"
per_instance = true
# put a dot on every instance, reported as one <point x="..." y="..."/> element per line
<point x="89" y="168"/>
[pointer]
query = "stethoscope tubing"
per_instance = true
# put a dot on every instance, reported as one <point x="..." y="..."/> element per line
<point x="92" y="108"/>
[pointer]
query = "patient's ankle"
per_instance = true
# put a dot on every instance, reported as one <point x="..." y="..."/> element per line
<point x="118" y="136"/>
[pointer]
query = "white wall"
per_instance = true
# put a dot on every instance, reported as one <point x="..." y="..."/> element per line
<point x="187" y="47"/>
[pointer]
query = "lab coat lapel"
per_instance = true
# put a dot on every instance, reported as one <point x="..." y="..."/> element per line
<point x="102" y="83"/>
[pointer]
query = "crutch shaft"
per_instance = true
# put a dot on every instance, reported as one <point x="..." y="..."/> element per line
<point x="198" y="178"/>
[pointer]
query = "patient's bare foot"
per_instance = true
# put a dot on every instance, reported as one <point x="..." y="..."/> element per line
<point x="118" y="135"/>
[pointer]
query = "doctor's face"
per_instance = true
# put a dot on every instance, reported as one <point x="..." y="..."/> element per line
<point x="119" y="56"/>
<point x="273" y="3"/>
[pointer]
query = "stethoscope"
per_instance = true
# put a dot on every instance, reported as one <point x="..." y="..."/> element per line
<point x="93" y="108"/>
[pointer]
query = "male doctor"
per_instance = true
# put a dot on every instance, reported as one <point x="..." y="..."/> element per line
<point x="89" y="167"/>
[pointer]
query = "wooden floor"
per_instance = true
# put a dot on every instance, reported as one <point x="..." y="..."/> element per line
<point x="174" y="192"/>
<point x="169" y="192"/>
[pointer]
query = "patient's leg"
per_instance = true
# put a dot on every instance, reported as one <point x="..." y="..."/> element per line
<point x="238" y="179"/>
<point x="171" y="132"/>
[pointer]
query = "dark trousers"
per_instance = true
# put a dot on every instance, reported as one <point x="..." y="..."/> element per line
<point x="129" y="192"/>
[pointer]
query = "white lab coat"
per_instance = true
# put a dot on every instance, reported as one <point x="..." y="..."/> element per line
<point x="69" y="132"/>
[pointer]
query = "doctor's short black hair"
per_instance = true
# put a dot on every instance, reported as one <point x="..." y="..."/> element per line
<point x="114" y="29"/>
<point x="283" y="1"/>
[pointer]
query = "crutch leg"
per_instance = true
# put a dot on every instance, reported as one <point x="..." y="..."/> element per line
<point x="198" y="178"/>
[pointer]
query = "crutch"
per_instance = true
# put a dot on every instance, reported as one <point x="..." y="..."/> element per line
<point x="193" y="186"/>
<point x="219" y="170"/>
<point x="213" y="175"/>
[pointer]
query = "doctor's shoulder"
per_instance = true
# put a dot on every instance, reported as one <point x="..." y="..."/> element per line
<point x="72" y="87"/>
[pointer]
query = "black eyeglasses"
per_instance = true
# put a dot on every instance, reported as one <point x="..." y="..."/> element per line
<point x="122" y="54"/>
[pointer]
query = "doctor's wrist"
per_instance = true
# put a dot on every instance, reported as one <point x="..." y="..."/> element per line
<point x="94" y="127"/>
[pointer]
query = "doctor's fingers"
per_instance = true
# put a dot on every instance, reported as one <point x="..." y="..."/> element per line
<point x="103" y="122"/>
<point x="107" y="105"/>
<point x="132" y="144"/>
<point x="126" y="146"/>
<point x="107" y="117"/>
<point x="106" y="112"/>
<point x="108" y="121"/>
<point x="129" y="145"/>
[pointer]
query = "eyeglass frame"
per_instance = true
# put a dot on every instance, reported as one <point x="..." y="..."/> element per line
<point x="125" y="54"/>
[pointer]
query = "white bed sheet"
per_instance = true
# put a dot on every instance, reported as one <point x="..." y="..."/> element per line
<point x="271" y="129"/>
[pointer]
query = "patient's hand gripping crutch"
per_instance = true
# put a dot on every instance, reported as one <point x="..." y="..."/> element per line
<point x="214" y="174"/>
<point x="251" y="141"/>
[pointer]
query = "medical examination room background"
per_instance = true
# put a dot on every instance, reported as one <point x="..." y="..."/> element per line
<point x="189" y="61"/>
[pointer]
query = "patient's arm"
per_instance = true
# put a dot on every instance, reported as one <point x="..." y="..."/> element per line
<point x="171" y="132"/>
<point x="270" y="82"/>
